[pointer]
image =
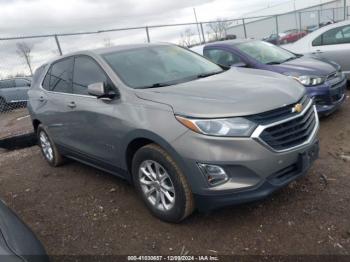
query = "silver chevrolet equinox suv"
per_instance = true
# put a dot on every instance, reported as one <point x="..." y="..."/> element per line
<point x="186" y="132"/>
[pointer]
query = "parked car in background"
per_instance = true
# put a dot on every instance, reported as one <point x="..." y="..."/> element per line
<point x="274" y="38"/>
<point x="17" y="241"/>
<point x="149" y="113"/>
<point x="330" y="42"/>
<point x="13" y="92"/>
<point x="312" y="28"/>
<point x="323" y="80"/>
<point x="292" y="36"/>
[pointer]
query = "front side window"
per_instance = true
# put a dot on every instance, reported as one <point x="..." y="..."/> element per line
<point x="335" y="36"/>
<point x="155" y="66"/>
<point x="222" y="57"/>
<point x="86" y="72"/>
<point x="265" y="53"/>
<point x="59" y="76"/>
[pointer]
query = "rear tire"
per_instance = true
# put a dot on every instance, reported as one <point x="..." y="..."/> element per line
<point x="161" y="184"/>
<point x="48" y="147"/>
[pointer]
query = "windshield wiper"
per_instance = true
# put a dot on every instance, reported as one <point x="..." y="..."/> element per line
<point x="208" y="74"/>
<point x="273" y="63"/>
<point x="289" y="59"/>
<point x="155" y="85"/>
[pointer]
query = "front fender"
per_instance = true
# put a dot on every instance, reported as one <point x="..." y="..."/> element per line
<point x="146" y="134"/>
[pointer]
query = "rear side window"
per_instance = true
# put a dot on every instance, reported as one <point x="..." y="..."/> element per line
<point x="86" y="72"/>
<point x="222" y="57"/>
<point x="59" y="76"/>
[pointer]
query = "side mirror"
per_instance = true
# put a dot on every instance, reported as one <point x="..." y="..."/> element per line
<point x="99" y="90"/>
<point x="239" y="64"/>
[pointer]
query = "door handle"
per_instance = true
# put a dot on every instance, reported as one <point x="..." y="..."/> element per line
<point x="72" y="105"/>
<point x="41" y="99"/>
<point x="318" y="52"/>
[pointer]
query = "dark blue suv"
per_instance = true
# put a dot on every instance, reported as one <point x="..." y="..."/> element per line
<point x="323" y="79"/>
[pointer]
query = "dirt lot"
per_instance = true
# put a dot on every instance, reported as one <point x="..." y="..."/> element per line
<point x="76" y="209"/>
<point x="15" y="122"/>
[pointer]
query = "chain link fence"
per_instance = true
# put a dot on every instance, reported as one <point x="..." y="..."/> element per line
<point x="20" y="56"/>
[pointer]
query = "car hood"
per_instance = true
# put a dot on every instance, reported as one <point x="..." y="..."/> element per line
<point x="236" y="92"/>
<point x="307" y="66"/>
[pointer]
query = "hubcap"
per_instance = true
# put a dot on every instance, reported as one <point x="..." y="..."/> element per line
<point x="46" y="146"/>
<point x="156" y="185"/>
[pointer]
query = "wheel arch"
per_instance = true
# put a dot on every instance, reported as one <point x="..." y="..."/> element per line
<point x="36" y="124"/>
<point x="140" y="138"/>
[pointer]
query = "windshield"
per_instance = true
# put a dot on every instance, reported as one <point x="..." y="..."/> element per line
<point x="157" y="66"/>
<point x="265" y="53"/>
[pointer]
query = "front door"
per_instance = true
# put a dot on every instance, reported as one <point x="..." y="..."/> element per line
<point x="94" y="123"/>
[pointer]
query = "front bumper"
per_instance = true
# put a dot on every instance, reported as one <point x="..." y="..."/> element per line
<point x="266" y="187"/>
<point x="329" y="96"/>
<point x="254" y="169"/>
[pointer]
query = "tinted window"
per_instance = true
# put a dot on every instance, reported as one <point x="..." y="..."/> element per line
<point x="7" y="84"/>
<point x="86" y="72"/>
<point x="59" y="77"/>
<point x="158" y="65"/>
<point x="335" y="36"/>
<point x="222" y="57"/>
<point x="46" y="82"/>
<point x="22" y="82"/>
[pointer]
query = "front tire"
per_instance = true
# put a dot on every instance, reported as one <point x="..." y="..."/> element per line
<point x="161" y="184"/>
<point x="48" y="147"/>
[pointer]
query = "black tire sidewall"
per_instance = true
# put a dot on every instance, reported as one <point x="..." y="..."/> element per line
<point x="176" y="213"/>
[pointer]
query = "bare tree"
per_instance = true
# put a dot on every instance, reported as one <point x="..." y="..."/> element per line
<point x="187" y="38"/>
<point x="24" y="50"/>
<point x="219" y="28"/>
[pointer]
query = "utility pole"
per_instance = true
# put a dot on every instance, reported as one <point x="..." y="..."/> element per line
<point x="295" y="15"/>
<point x="195" y="17"/>
<point x="345" y="11"/>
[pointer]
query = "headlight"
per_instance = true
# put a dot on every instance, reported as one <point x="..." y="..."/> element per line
<point x="309" y="80"/>
<point x="233" y="127"/>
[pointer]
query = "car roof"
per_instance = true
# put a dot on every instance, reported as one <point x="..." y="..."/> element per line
<point x="321" y="31"/>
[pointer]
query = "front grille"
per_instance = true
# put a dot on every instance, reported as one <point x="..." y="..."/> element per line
<point x="279" y="113"/>
<point x="291" y="133"/>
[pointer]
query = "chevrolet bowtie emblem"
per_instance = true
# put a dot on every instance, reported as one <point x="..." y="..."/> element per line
<point x="297" y="108"/>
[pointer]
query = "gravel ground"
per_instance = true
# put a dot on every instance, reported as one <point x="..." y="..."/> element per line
<point x="15" y="122"/>
<point x="76" y="209"/>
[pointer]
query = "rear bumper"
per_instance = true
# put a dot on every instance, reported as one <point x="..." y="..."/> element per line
<point x="263" y="189"/>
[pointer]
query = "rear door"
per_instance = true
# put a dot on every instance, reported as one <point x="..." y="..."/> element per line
<point x="54" y="100"/>
<point x="334" y="45"/>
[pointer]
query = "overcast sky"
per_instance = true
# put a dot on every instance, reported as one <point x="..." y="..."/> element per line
<point x="25" y="17"/>
<point x="31" y="17"/>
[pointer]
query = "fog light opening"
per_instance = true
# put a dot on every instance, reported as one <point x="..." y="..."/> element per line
<point x="215" y="175"/>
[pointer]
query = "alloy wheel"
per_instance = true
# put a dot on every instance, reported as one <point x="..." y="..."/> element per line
<point x="46" y="146"/>
<point x="156" y="185"/>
